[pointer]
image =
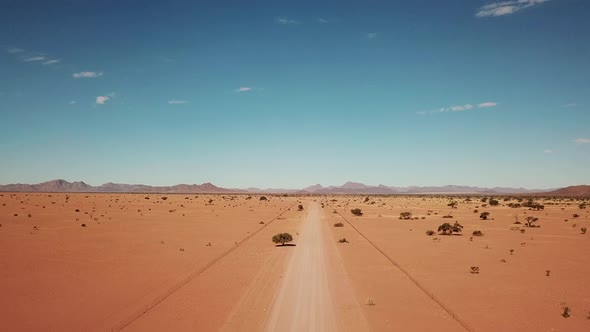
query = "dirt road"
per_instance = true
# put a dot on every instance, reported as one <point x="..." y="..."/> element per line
<point x="305" y="299"/>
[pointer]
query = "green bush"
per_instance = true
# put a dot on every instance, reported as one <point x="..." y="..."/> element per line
<point x="282" y="238"/>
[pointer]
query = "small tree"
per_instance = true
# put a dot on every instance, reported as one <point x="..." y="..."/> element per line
<point x="448" y="229"/>
<point x="357" y="212"/>
<point x="405" y="215"/>
<point x="493" y="202"/>
<point x="282" y="238"/>
<point x="582" y="205"/>
<point x="484" y="215"/>
<point x="263" y="198"/>
<point x="530" y="220"/>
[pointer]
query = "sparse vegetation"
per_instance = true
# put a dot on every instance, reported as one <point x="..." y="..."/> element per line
<point x="282" y="238"/>
<point x="477" y="233"/>
<point x="430" y="232"/>
<point x="405" y="215"/>
<point x="448" y="229"/>
<point x="530" y="221"/>
<point x="453" y="204"/>
<point x="484" y="215"/>
<point x="357" y="212"/>
<point x="566" y="311"/>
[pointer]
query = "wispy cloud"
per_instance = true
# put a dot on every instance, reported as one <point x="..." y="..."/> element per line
<point x="506" y="7"/>
<point x="372" y="35"/>
<point x="582" y="140"/>
<point x="100" y="100"/>
<point x="547" y="151"/>
<point x="458" y="108"/>
<point x="51" y="62"/>
<point x="34" y="58"/>
<point x="285" y="20"/>
<point x="323" y="20"/>
<point x="569" y="105"/>
<point x="15" y="50"/>
<point x="177" y="101"/>
<point x="87" y="74"/>
<point x="243" y="89"/>
<point x="487" y="104"/>
<point x="72" y="102"/>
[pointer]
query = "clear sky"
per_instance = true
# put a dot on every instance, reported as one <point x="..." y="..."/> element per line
<point x="293" y="93"/>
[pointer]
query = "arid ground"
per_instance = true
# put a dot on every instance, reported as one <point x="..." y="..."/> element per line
<point x="179" y="262"/>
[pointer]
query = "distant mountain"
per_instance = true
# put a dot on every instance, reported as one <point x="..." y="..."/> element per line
<point x="360" y="188"/>
<point x="579" y="191"/>
<point x="57" y="186"/>
<point x="346" y="188"/>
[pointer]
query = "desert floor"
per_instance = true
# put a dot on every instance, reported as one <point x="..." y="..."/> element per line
<point x="178" y="262"/>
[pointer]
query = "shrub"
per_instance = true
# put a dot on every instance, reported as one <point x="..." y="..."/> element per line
<point x="530" y="220"/>
<point x="338" y="224"/>
<point x="263" y="198"/>
<point x="453" y="204"/>
<point x="448" y="229"/>
<point x="357" y="212"/>
<point x="477" y="233"/>
<point x="430" y="232"/>
<point x="405" y="215"/>
<point x="164" y="198"/>
<point x="448" y="216"/>
<point x="300" y="207"/>
<point x="582" y="205"/>
<point x="493" y="202"/>
<point x="83" y="225"/>
<point x="484" y="215"/>
<point x="475" y="270"/>
<point x="576" y="215"/>
<point x="566" y="312"/>
<point x="282" y="238"/>
<point x="583" y="230"/>
<point x="343" y="240"/>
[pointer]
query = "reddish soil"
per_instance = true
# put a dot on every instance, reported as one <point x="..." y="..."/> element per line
<point x="146" y="264"/>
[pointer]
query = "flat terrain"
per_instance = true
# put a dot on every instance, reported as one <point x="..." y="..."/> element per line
<point x="110" y="262"/>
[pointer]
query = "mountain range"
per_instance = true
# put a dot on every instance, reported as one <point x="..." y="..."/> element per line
<point x="346" y="188"/>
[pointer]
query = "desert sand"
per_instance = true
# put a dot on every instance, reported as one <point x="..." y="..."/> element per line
<point x="180" y="262"/>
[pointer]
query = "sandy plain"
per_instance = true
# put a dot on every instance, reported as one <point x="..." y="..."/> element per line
<point x="206" y="263"/>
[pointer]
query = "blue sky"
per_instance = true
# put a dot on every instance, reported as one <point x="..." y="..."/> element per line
<point x="293" y="93"/>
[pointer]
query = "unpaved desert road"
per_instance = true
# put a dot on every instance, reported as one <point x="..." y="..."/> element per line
<point x="304" y="301"/>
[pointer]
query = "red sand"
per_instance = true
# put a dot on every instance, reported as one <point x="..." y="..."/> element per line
<point x="63" y="277"/>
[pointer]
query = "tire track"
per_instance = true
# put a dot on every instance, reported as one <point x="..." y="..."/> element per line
<point x="407" y="274"/>
<point x="146" y="308"/>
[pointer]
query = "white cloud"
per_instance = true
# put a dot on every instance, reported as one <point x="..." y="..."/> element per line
<point x="458" y="108"/>
<point x="486" y="104"/>
<point x="582" y="140"/>
<point x="72" y="102"/>
<point x="323" y="20"/>
<point x="569" y="105"/>
<point x="87" y="74"/>
<point x="547" y="151"/>
<point x="15" y="50"/>
<point x="243" y="89"/>
<point x="285" y="20"/>
<point x="372" y="35"/>
<point x="100" y="100"/>
<point x="506" y="7"/>
<point x="35" y="58"/>
<point x="51" y="62"/>
<point x="176" y="102"/>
